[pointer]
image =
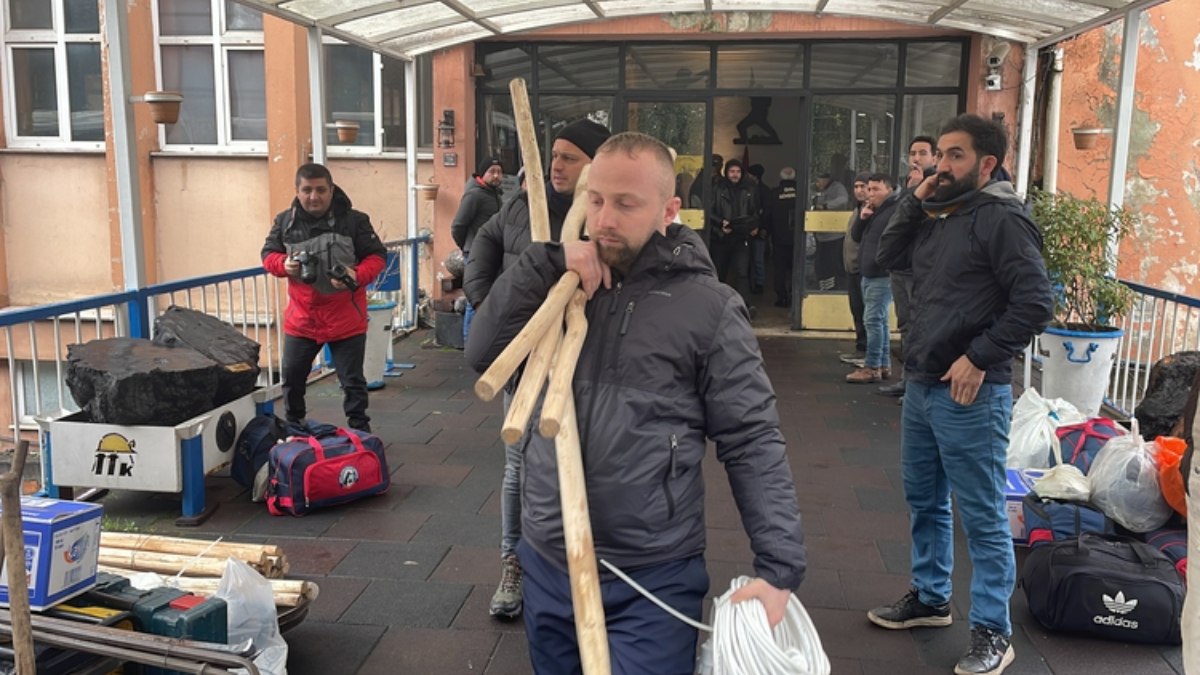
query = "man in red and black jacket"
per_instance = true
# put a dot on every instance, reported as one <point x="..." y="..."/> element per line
<point x="330" y="253"/>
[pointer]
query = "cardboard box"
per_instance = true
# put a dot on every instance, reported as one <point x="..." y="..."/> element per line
<point x="1019" y="483"/>
<point x="62" y="546"/>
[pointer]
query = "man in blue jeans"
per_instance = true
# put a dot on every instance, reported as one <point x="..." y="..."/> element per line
<point x="876" y="284"/>
<point x="981" y="294"/>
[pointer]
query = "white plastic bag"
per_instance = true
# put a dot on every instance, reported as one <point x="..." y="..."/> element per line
<point x="1032" y="439"/>
<point x="1063" y="481"/>
<point x="1124" y="481"/>
<point x="252" y="615"/>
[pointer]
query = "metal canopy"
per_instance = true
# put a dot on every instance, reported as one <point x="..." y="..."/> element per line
<point x="406" y="28"/>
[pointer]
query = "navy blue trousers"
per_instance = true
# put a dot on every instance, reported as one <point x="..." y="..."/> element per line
<point x="642" y="638"/>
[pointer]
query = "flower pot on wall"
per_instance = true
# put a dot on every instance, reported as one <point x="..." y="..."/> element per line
<point x="1086" y="138"/>
<point x="1079" y="365"/>
<point x="427" y="191"/>
<point x="164" y="106"/>
<point x="347" y="130"/>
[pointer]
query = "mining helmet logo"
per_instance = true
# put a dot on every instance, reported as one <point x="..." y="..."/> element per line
<point x="114" y="456"/>
<point x="348" y="477"/>
<point x="75" y="551"/>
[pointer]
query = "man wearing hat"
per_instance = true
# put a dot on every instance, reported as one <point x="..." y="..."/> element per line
<point x="500" y="242"/>
<point x="480" y="201"/>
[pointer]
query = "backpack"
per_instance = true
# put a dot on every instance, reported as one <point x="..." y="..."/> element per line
<point x="1051" y="520"/>
<point x="253" y="449"/>
<point x="1080" y="442"/>
<point x="1171" y="541"/>
<point x="1106" y="586"/>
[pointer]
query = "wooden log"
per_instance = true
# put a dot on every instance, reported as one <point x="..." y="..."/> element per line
<point x="13" y="538"/>
<point x="535" y="185"/>
<point x="254" y="554"/>
<point x="492" y="381"/>
<point x="162" y="563"/>
<point x="287" y="592"/>
<point x="530" y="387"/>
<point x="590" y="629"/>
<point x="562" y="372"/>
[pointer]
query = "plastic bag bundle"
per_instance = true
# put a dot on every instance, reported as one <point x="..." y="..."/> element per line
<point x="252" y="615"/>
<point x="1124" y="482"/>
<point x="1032" y="440"/>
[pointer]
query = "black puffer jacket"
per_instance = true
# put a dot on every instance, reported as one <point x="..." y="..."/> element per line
<point x="479" y="202"/>
<point x="737" y="203"/>
<point x="503" y="238"/>
<point x="669" y="361"/>
<point x="979" y="281"/>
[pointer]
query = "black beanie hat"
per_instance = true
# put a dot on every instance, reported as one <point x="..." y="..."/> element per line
<point x="733" y="162"/>
<point x="487" y="163"/>
<point x="586" y="135"/>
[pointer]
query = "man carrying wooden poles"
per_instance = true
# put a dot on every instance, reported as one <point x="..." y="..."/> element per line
<point x="667" y="361"/>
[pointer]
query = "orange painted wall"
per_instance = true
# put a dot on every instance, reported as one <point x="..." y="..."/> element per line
<point x="1163" y="179"/>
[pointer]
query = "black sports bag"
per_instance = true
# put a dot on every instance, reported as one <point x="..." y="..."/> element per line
<point x="1107" y="586"/>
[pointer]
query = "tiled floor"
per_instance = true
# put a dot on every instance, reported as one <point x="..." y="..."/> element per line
<point x="406" y="577"/>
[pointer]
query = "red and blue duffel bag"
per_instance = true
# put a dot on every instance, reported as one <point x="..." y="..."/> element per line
<point x="313" y="472"/>
<point x="1081" y="442"/>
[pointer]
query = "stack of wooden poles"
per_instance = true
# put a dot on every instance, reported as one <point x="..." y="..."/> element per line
<point x="552" y="356"/>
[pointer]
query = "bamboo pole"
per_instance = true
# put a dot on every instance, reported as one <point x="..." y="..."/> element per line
<point x="492" y="381"/>
<point x="14" y="561"/>
<point x="530" y="386"/>
<point x="563" y="370"/>
<point x="254" y="554"/>
<point x="590" y="627"/>
<point x="535" y="185"/>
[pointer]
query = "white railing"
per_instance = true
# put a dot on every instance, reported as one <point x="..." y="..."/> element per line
<point x="1160" y="324"/>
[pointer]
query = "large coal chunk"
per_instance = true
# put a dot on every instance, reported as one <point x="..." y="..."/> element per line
<point x="219" y="341"/>
<point x="130" y="381"/>
<point x="1161" y="409"/>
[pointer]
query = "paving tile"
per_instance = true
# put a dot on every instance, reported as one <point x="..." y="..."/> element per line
<point x="474" y="615"/>
<point x="867" y="523"/>
<point x="334" y="596"/>
<point x="311" y="525"/>
<point x="416" y="453"/>
<point x="429" y="403"/>
<point x="843" y="552"/>
<point x="411" y="434"/>
<point x="1072" y="655"/>
<point x="387" y="560"/>
<point x="312" y="556"/>
<point x="460" y="529"/>
<point x="412" y="650"/>
<point x="470" y="565"/>
<point x="896" y="556"/>
<point x="309" y="652"/>
<point x="442" y="475"/>
<point x="384" y="423"/>
<point x="847" y="634"/>
<point x="511" y="656"/>
<point x="407" y="604"/>
<point x="440" y="419"/>
<point x="881" y="499"/>
<point x="479" y="438"/>
<point x="385" y="526"/>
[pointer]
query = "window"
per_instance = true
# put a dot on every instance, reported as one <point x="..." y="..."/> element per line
<point x="368" y="88"/>
<point x="54" y="94"/>
<point x="45" y="389"/>
<point x="211" y="51"/>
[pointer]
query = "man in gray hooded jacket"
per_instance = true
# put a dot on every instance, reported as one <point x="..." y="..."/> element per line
<point x="669" y="362"/>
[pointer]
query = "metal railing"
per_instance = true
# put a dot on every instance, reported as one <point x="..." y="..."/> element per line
<point x="1160" y="324"/>
<point x="36" y="338"/>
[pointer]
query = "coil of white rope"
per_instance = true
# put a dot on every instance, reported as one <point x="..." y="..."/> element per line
<point x="743" y="643"/>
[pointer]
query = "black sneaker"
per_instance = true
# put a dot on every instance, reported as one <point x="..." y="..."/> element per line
<point x="360" y="425"/>
<point x="989" y="653"/>
<point x="908" y="612"/>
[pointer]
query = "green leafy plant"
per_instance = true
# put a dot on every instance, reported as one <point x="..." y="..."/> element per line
<point x="1076" y="234"/>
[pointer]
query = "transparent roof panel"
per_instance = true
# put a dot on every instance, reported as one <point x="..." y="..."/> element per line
<point x="404" y="28"/>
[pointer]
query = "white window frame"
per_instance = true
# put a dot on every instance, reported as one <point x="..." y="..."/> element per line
<point x="55" y="38"/>
<point x="222" y="42"/>
<point x="27" y="420"/>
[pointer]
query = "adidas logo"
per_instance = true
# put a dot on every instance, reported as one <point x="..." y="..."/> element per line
<point x="1119" y="607"/>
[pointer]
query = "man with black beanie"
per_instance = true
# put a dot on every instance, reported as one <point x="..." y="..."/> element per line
<point x="480" y="201"/>
<point x="500" y="242"/>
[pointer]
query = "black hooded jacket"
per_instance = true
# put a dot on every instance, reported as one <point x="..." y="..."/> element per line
<point x="479" y="202"/>
<point x="669" y="362"/>
<point x="979" y="281"/>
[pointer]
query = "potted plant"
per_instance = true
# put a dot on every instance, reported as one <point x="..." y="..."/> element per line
<point x="1082" y="339"/>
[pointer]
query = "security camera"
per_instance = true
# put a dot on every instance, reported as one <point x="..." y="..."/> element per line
<point x="995" y="61"/>
<point x="992" y="82"/>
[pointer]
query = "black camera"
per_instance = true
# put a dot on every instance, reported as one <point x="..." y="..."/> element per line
<point x="309" y="266"/>
<point x="342" y="274"/>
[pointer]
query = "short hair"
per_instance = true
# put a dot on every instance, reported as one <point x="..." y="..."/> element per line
<point x="987" y="137"/>
<point x="633" y="144"/>
<point x="787" y="173"/>
<point x="923" y="139"/>
<point x="313" y="170"/>
<point x="884" y="178"/>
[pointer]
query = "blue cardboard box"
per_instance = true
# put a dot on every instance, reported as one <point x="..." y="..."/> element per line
<point x="62" y="547"/>
<point x="1019" y="483"/>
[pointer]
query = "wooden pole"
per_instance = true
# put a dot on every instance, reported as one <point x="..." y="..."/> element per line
<point x="14" y="562"/>
<point x="535" y="181"/>
<point x="253" y="554"/>
<point x="581" y="553"/>
<point x="530" y="386"/>
<point x="563" y="369"/>
<point x="577" y="216"/>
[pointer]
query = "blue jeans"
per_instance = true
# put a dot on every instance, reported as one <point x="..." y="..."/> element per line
<point x="877" y="295"/>
<point x="642" y="638"/>
<point x="947" y="447"/>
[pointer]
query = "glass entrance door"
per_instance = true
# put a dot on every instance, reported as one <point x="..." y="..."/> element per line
<point x="683" y="125"/>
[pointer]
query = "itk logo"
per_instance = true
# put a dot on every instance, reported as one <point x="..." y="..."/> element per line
<point x="114" y="456"/>
<point x="1119" y="606"/>
<point x="75" y="551"/>
<point x="348" y="477"/>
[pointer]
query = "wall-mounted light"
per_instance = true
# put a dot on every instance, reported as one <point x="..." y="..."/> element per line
<point x="445" y="130"/>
